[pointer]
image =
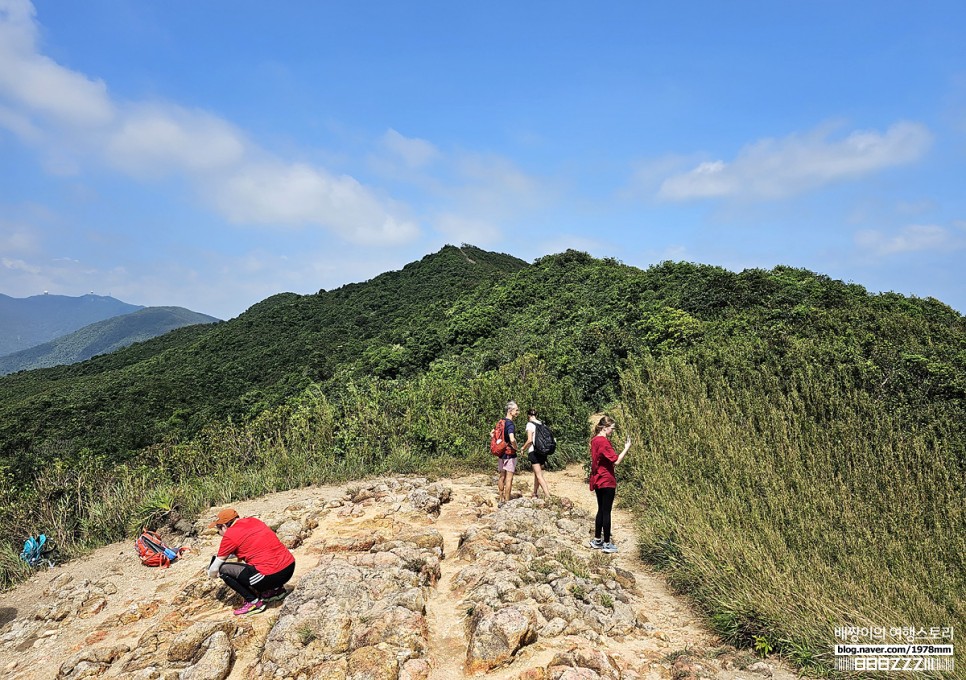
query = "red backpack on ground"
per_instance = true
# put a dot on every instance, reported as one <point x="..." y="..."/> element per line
<point x="153" y="552"/>
<point x="498" y="443"/>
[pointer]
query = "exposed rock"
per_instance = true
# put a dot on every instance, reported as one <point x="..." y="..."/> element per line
<point x="495" y="636"/>
<point x="684" y="668"/>
<point x="364" y="608"/>
<point x="524" y="554"/>
<point x="372" y="663"/>
<point x="350" y="544"/>
<point x="65" y="597"/>
<point x="761" y="668"/>
<point x="90" y="662"/>
<point x="571" y="673"/>
<point x="215" y="662"/>
<point x="415" y="669"/>
<point x="186" y="646"/>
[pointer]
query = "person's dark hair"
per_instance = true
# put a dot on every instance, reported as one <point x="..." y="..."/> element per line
<point x="605" y="421"/>
<point x="531" y="412"/>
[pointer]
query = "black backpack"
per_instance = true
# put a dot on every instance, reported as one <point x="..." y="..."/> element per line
<point x="543" y="441"/>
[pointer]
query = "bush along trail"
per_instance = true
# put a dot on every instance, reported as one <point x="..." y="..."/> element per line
<point x="396" y="578"/>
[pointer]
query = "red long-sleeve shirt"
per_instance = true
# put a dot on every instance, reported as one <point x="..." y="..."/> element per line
<point x="252" y="541"/>
<point x="602" y="460"/>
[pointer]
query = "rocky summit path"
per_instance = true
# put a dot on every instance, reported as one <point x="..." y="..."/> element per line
<point x="399" y="578"/>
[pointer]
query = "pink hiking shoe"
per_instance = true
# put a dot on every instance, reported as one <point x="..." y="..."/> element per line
<point x="253" y="607"/>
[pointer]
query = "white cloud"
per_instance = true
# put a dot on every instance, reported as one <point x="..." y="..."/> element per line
<point x="37" y="82"/>
<point x="298" y="195"/>
<point x="777" y="168"/>
<point x="649" y="174"/>
<point x="673" y="252"/>
<point x="493" y="188"/>
<point x="414" y="152"/>
<point x="916" y="237"/>
<point x="244" y="183"/>
<point x="19" y="265"/>
<point x="497" y="174"/>
<point x="475" y="196"/>
<point x="19" y="124"/>
<point x="16" y="239"/>
<point x="155" y="138"/>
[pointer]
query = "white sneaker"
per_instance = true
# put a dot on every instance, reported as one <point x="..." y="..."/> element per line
<point x="608" y="548"/>
<point x="597" y="543"/>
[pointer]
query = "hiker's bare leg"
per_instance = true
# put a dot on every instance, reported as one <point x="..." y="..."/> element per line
<point x="539" y="480"/>
<point x="508" y="486"/>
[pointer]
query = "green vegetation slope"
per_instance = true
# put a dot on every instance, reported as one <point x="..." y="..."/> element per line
<point x="25" y="322"/>
<point x="103" y="337"/>
<point x="173" y="386"/>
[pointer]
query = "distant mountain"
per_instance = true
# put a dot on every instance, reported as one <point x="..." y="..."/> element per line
<point x="26" y="322"/>
<point x="103" y="337"/>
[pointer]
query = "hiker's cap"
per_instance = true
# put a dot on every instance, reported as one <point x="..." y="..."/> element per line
<point x="224" y="517"/>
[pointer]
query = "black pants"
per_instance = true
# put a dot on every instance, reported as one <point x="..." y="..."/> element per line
<point x="605" y="501"/>
<point x="245" y="579"/>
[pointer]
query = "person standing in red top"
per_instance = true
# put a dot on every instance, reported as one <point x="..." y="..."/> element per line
<point x="265" y="564"/>
<point x="603" y="482"/>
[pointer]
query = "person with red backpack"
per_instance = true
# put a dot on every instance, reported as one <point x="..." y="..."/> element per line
<point x="265" y="564"/>
<point x="503" y="443"/>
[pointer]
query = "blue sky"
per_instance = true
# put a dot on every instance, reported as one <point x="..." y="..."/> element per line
<point x="210" y="154"/>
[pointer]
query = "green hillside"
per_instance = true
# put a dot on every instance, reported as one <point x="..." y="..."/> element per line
<point x="26" y="322"/>
<point x="103" y="337"/>
<point x="800" y="444"/>
<point x="122" y="402"/>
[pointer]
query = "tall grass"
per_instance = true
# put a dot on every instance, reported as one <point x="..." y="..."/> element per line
<point x="788" y="505"/>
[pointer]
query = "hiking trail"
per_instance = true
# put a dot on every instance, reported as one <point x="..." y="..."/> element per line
<point x="396" y="577"/>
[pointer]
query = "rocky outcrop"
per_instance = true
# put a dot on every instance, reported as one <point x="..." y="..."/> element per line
<point x="90" y="663"/>
<point x="495" y="636"/>
<point x="364" y="612"/>
<point x="520" y="595"/>
<point x="527" y="563"/>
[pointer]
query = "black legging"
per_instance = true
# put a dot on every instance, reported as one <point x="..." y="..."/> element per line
<point x="245" y="580"/>
<point x="605" y="501"/>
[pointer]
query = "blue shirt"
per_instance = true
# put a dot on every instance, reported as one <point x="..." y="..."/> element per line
<point x="509" y="429"/>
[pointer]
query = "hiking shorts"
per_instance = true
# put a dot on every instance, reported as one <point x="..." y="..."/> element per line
<point x="506" y="464"/>
<point x="537" y="458"/>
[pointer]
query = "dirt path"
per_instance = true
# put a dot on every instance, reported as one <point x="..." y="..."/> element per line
<point x="670" y="614"/>
<point x="447" y="624"/>
<point x="108" y="599"/>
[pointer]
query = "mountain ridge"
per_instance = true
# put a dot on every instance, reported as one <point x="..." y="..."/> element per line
<point x="102" y="337"/>
<point x="30" y="321"/>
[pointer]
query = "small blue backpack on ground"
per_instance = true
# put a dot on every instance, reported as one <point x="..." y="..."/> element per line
<point x="37" y="552"/>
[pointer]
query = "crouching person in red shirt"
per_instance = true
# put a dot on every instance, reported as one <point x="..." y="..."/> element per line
<point x="265" y="564"/>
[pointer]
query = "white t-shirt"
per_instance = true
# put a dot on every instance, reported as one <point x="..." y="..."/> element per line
<point x="532" y="433"/>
